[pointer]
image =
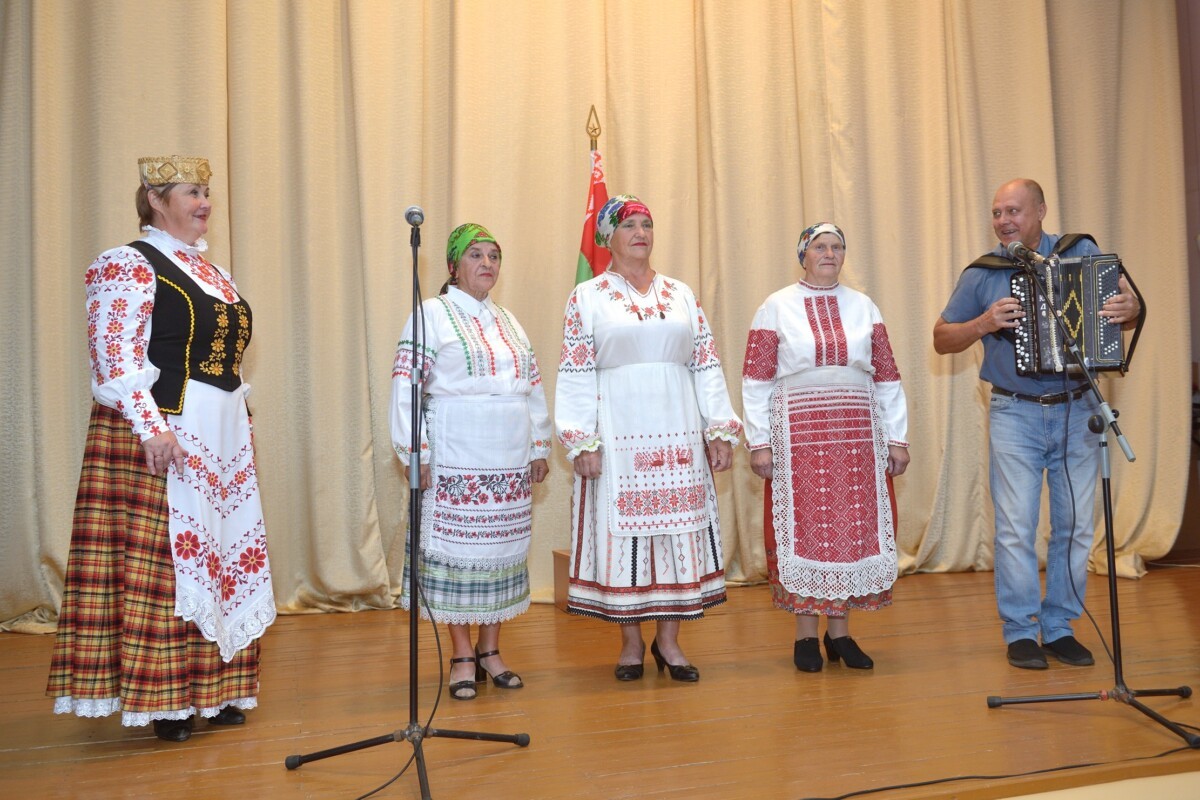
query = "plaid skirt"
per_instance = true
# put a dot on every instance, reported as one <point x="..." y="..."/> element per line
<point x="458" y="595"/>
<point x="120" y="646"/>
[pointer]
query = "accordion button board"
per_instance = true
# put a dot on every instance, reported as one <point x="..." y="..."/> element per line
<point x="1078" y="287"/>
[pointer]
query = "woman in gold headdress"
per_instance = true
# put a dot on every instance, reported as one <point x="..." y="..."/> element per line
<point x="168" y="588"/>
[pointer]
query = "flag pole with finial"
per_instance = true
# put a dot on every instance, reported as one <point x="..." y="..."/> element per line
<point x="593" y="259"/>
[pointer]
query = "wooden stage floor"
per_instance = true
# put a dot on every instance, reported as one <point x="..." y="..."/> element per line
<point x="753" y="727"/>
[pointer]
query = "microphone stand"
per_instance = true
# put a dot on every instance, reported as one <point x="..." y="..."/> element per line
<point x="1100" y="423"/>
<point x="415" y="733"/>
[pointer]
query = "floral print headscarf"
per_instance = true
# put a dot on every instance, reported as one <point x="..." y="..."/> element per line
<point x="812" y="232"/>
<point x="612" y="213"/>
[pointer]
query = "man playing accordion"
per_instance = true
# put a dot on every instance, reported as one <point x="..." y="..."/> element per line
<point x="1037" y="427"/>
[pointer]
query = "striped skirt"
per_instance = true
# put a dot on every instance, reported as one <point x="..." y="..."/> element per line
<point x="120" y="646"/>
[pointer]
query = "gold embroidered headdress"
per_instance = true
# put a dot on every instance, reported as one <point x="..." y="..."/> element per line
<point x="157" y="170"/>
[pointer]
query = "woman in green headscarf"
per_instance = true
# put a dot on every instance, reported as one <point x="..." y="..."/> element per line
<point x="485" y="435"/>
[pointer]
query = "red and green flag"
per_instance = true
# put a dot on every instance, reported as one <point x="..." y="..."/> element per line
<point x="593" y="259"/>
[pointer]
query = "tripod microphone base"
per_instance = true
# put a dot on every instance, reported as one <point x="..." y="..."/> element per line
<point x="294" y="761"/>
<point x="519" y="739"/>
<point x="1119" y="693"/>
<point x="414" y="734"/>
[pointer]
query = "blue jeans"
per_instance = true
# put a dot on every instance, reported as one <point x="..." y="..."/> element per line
<point x="1028" y="441"/>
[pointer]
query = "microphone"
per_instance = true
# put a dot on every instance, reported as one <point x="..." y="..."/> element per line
<point x="414" y="216"/>
<point x="1020" y="251"/>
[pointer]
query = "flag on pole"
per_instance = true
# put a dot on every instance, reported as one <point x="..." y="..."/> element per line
<point x="593" y="259"/>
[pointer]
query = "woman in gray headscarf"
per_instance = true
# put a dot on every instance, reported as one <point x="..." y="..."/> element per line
<point x="826" y="422"/>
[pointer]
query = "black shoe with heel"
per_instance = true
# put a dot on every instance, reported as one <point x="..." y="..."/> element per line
<point x="505" y="680"/>
<point x="463" y="690"/>
<point x="631" y="672"/>
<point x="806" y="655"/>
<point x="846" y="649"/>
<point x="685" y="673"/>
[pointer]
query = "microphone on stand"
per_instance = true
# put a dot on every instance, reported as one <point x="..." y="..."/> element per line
<point x="1021" y="252"/>
<point x="414" y="216"/>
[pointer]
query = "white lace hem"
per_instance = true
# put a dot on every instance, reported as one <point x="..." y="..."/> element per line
<point x="129" y="719"/>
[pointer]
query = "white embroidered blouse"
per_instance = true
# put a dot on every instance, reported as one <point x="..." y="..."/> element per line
<point x="470" y="347"/>
<point x="802" y="327"/>
<point x="607" y="326"/>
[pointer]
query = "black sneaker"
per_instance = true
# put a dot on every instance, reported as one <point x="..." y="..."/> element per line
<point x="1026" y="654"/>
<point x="1068" y="650"/>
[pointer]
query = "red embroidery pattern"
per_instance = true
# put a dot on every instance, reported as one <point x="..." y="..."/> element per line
<point x="477" y="349"/>
<point x="662" y="458"/>
<point x="252" y="560"/>
<point x="144" y="412"/>
<point x="475" y="525"/>
<point x="234" y="573"/>
<point x="484" y="488"/>
<point x="762" y="355"/>
<point x="833" y="483"/>
<point x="117" y="333"/>
<point x="187" y="545"/>
<point x="484" y="347"/>
<point x="578" y="348"/>
<point x="229" y="584"/>
<point x="667" y="500"/>
<point x="704" y="347"/>
<point x="660" y="304"/>
<point x="882" y="359"/>
<point x="825" y="319"/>
<point x="204" y="271"/>
<point x="574" y="438"/>
<point x="522" y="354"/>
<point x="205" y="473"/>
<point x="402" y="367"/>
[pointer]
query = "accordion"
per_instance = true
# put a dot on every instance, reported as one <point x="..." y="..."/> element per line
<point x="1078" y="288"/>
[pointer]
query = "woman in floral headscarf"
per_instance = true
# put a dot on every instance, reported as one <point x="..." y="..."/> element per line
<point x="825" y="424"/>
<point x="642" y="408"/>
<point x="485" y="435"/>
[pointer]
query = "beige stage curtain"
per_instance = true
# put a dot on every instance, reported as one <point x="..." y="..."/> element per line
<point x="738" y="123"/>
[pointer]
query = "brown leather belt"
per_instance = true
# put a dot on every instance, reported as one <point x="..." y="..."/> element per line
<point x="1045" y="399"/>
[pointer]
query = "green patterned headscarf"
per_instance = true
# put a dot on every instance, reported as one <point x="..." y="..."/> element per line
<point x="463" y="237"/>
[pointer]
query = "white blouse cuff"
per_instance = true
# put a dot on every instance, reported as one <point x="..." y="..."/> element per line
<point x="727" y="430"/>
<point x="590" y="446"/>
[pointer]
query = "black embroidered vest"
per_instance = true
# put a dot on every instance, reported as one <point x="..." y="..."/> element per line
<point x="193" y="335"/>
